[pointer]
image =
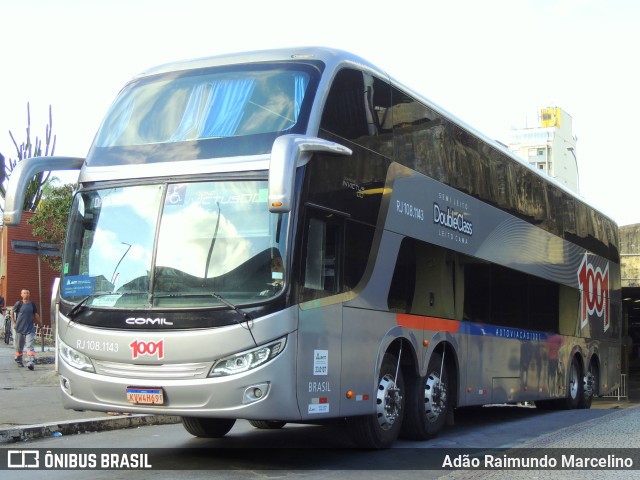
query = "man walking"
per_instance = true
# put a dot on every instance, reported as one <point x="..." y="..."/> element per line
<point x="23" y="317"/>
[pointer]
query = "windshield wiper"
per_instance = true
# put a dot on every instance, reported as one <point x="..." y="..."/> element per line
<point x="239" y="311"/>
<point x="76" y="308"/>
<point x="246" y="317"/>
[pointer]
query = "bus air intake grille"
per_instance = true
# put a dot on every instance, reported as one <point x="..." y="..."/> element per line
<point x="178" y="371"/>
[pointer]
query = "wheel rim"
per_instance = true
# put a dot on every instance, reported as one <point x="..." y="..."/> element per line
<point x="435" y="397"/>
<point x="388" y="402"/>
<point x="573" y="381"/>
<point x="589" y="383"/>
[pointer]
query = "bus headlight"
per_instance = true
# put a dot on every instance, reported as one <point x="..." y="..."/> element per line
<point x="244" y="361"/>
<point x="75" y="358"/>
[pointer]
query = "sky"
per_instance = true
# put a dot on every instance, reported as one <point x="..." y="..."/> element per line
<point x="491" y="63"/>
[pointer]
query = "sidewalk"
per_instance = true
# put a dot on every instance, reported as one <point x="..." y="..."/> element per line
<point x="31" y="405"/>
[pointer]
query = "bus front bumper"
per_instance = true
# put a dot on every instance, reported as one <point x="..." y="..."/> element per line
<point x="267" y="392"/>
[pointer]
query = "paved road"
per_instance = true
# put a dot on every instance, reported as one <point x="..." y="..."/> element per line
<point x="309" y="451"/>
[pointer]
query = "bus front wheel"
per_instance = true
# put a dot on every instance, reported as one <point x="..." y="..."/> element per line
<point x="207" y="427"/>
<point x="267" y="424"/>
<point x="428" y="402"/>
<point x="381" y="429"/>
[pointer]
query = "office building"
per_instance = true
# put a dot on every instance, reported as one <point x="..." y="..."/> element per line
<point x="550" y="146"/>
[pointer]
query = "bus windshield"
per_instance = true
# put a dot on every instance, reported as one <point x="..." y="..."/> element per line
<point x="204" y="113"/>
<point x="175" y="245"/>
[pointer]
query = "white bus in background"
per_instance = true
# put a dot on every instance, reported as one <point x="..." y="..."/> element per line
<point x="294" y="236"/>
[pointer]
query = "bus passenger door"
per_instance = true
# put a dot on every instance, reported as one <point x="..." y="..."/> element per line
<point x="320" y="327"/>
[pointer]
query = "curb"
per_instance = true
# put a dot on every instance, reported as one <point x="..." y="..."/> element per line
<point x="56" y="429"/>
<point x="45" y="360"/>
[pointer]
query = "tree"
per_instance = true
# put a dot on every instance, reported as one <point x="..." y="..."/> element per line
<point x="51" y="203"/>
<point x="28" y="149"/>
<point x="50" y="219"/>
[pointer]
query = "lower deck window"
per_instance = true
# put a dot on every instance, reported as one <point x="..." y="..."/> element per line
<point x="434" y="281"/>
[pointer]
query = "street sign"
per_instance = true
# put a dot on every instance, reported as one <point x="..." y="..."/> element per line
<point x="37" y="248"/>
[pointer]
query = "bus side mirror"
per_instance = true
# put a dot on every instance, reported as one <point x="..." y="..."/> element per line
<point x="22" y="174"/>
<point x="288" y="153"/>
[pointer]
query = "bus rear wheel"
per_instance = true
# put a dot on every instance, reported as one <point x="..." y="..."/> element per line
<point x="581" y="389"/>
<point x="428" y="402"/>
<point x="590" y="387"/>
<point x="267" y="424"/>
<point x="575" y="388"/>
<point x="207" y="427"/>
<point x="381" y="429"/>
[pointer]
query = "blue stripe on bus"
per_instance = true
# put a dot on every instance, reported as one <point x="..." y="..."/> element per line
<point x="502" y="332"/>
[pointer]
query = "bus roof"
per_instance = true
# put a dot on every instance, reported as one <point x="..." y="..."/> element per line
<point x="329" y="56"/>
<point x="334" y="59"/>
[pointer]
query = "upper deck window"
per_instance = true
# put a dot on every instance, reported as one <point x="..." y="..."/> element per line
<point x="205" y="113"/>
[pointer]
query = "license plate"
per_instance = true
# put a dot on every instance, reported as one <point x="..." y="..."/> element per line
<point x="145" y="396"/>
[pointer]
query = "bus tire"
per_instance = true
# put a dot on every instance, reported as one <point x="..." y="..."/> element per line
<point x="381" y="429"/>
<point x="590" y="387"/>
<point x="207" y="427"/>
<point x="267" y="424"/>
<point x="575" y="387"/>
<point x="428" y="402"/>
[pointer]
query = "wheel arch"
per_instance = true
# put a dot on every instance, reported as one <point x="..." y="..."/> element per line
<point x="400" y="344"/>
<point x="449" y="352"/>
<point x="402" y="348"/>
<point x="576" y="352"/>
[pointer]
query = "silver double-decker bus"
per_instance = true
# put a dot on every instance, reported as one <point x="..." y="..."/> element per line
<point x="295" y="236"/>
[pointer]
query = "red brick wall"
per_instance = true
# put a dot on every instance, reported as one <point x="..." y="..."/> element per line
<point x="22" y="270"/>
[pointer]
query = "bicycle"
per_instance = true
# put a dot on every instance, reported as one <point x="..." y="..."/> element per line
<point x="8" y="331"/>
